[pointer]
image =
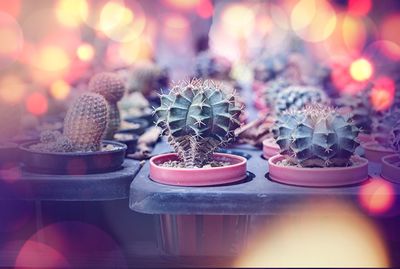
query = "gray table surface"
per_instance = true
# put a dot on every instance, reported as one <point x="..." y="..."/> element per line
<point x="256" y="195"/>
<point x="93" y="187"/>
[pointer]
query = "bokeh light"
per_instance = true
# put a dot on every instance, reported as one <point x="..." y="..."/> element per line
<point x="176" y="27"/>
<point x="205" y="9"/>
<point x="36" y="103"/>
<point x="183" y="4"/>
<point x="235" y="27"/>
<point x="71" y="13"/>
<point x="359" y="7"/>
<point x="361" y="69"/>
<point x="389" y="33"/>
<point x="85" y="52"/>
<point x="382" y="94"/>
<point x="322" y="234"/>
<point x="12" y="8"/>
<point x="377" y="197"/>
<point x="51" y="58"/>
<point x="60" y="89"/>
<point x="12" y="89"/>
<point x="11" y="40"/>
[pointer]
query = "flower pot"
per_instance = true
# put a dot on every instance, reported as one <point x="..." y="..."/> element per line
<point x="365" y="138"/>
<point x="318" y="177"/>
<point x="270" y="148"/>
<point x="73" y="162"/>
<point x="139" y="129"/>
<point x="130" y="140"/>
<point x="198" y="176"/>
<point x="374" y="152"/>
<point x="391" y="168"/>
<point x="202" y="235"/>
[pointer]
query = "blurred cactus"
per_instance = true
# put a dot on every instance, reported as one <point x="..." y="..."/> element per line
<point x="360" y="110"/>
<point x="316" y="136"/>
<point x="395" y="137"/>
<point x="210" y="66"/>
<point x="297" y="97"/>
<point x="198" y="117"/>
<point x="146" y="77"/>
<point x="86" y="121"/>
<point x="111" y="87"/>
<point x="269" y="67"/>
<point x="272" y="89"/>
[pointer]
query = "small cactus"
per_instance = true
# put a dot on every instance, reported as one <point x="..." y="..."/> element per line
<point x="272" y="89"/>
<point x="112" y="88"/>
<point x="395" y="137"/>
<point x="269" y="67"/>
<point x="198" y="117"/>
<point x="359" y="109"/>
<point x="297" y="97"/>
<point x="316" y="136"/>
<point x="86" y="121"/>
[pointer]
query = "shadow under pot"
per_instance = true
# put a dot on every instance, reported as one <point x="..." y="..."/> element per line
<point x="130" y="140"/>
<point x="134" y="126"/>
<point x="374" y="151"/>
<point x="270" y="148"/>
<point x="391" y="168"/>
<point x="108" y="159"/>
<point x="318" y="176"/>
<point x="233" y="170"/>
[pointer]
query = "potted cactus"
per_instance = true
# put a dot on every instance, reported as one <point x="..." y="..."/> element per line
<point x="290" y="98"/>
<point x="79" y="149"/>
<point x="317" y="146"/>
<point x="198" y="117"/>
<point x="391" y="163"/>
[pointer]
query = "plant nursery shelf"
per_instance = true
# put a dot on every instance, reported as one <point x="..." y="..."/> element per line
<point x="255" y="195"/>
<point x="91" y="187"/>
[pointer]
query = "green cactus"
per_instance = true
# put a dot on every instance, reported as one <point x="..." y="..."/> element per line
<point x="86" y="121"/>
<point x="198" y="117"/>
<point x="272" y="89"/>
<point x="297" y="97"/>
<point x="316" y="136"/>
<point x="112" y="88"/>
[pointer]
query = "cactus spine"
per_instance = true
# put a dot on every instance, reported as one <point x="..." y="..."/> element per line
<point x="316" y="136"/>
<point x="198" y="117"/>
<point x="112" y="88"/>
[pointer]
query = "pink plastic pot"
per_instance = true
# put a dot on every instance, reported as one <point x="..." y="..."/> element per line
<point x="270" y="148"/>
<point x="198" y="176"/>
<point x="318" y="177"/>
<point x="374" y="152"/>
<point x="391" y="168"/>
<point x="365" y="138"/>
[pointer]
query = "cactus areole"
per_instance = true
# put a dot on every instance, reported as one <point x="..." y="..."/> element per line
<point x="198" y="117"/>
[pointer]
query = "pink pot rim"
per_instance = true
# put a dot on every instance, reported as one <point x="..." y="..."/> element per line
<point x="389" y="170"/>
<point x="370" y="146"/>
<point x="270" y="148"/>
<point x="198" y="176"/>
<point x="318" y="177"/>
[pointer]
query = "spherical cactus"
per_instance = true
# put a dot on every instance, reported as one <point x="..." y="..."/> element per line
<point x="112" y="88"/>
<point x="297" y="97"/>
<point x="269" y="67"/>
<point x="198" y="117"/>
<point x="316" y="136"/>
<point x="359" y="109"/>
<point x="208" y="65"/>
<point x="86" y="121"/>
<point x="272" y="89"/>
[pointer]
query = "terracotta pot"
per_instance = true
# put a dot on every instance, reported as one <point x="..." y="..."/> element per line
<point x="198" y="176"/>
<point x="365" y="138"/>
<point x="318" y="177"/>
<point x="391" y="168"/>
<point x="270" y="148"/>
<point x="374" y="152"/>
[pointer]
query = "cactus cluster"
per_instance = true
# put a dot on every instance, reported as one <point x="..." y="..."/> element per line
<point x="210" y="66"/>
<point x="84" y="125"/>
<point x="316" y="136"/>
<point x="112" y="88"/>
<point x="297" y="97"/>
<point x="198" y="117"/>
<point x="359" y="109"/>
<point x="269" y="67"/>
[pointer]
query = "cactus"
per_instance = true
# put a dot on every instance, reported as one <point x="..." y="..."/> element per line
<point x="198" y="117"/>
<point x="272" y="89"/>
<point x="360" y="110"/>
<point x="316" y="136"/>
<point x="111" y="87"/>
<point x="296" y="97"/>
<point x="395" y="137"/>
<point x="208" y="65"/>
<point x="147" y="77"/>
<point x="269" y="67"/>
<point x="86" y="121"/>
